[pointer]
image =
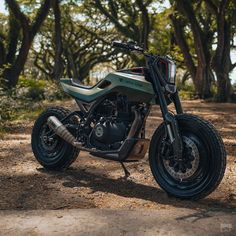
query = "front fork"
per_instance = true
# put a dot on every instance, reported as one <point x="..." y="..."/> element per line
<point x="174" y="134"/>
<point x="169" y="119"/>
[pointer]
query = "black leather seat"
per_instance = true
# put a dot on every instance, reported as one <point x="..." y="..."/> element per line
<point x="77" y="83"/>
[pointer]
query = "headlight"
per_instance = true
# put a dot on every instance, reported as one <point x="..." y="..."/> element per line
<point x="172" y="72"/>
<point x="167" y="68"/>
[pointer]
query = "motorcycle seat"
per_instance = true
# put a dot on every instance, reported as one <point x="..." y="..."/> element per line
<point x="77" y="83"/>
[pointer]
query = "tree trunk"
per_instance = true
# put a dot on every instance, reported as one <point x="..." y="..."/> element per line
<point x="201" y="72"/>
<point x="146" y="29"/>
<point x="13" y="36"/>
<point x="202" y="82"/>
<point x="184" y="47"/>
<point x="222" y="62"/>
<point x="58" y="66"/>
<point x="72" y="63"/>
<point x="224" y="87"/>
<point x="2" y="54"/>
<point x="11" y="75"/>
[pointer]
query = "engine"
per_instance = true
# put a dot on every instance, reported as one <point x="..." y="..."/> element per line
<point x="113" y="119"/>
<point x="108" y="134"/>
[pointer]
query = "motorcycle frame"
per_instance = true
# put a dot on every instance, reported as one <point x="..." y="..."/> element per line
<point x="161" y="89"/>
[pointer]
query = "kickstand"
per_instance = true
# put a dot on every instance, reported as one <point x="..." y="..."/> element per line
<point x="127" y="173"/>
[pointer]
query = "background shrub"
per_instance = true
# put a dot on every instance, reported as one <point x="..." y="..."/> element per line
<point x="27" y="96"/>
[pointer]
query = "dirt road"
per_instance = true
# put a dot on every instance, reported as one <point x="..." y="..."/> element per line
<point x="100" y="222"/>
<point x="97" y="183"/>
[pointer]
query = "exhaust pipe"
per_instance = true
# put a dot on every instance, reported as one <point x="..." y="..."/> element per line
<point x="61" y="130"/>
<point x="64" y="133"/>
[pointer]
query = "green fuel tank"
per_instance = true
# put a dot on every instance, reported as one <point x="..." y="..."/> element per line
<point x="134" y="86"/>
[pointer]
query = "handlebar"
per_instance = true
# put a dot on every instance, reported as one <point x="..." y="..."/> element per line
<point x="128" y="46"/>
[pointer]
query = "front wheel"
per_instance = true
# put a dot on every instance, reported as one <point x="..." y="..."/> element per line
<point x="202" y="166"/>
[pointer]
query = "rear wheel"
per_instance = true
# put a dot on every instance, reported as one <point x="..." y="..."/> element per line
<point x="202" y="167"/>
<point x="51" y="151"/>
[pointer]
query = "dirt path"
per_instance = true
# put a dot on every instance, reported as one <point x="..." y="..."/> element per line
<point x="97" y="183"/>
<point x="101" y="222"/>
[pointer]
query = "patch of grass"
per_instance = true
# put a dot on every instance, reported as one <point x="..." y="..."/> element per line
<point x="186" y="95"/>
<point x="26" y="114"/>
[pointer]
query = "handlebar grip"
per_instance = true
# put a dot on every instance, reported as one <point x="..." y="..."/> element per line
<point x="120" y="45"/>
<point x="127" y="46"/>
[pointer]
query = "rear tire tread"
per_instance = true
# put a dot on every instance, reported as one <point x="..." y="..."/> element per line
<point x="71" y="155"/>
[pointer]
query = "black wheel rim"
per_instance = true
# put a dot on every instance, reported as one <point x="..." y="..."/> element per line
<point x="51" y="151"/>
<point x="200" y="176"/>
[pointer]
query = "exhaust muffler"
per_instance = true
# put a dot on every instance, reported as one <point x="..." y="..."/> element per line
<point x="64" y="133"/>
<point x="61" y="130"/>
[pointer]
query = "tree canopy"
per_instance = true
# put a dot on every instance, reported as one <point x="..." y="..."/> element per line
<point x="55" y="38"/>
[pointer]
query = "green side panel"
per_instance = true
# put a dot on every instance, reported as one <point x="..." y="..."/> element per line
<point x="135" y="87"/>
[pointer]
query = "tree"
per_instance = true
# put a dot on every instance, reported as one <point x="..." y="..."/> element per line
<point x="58" y="65"/>
<point x="130" y="18"/>
<point x="81" y="47"/>
<point x="20" y="27"/>
<point x="225" y="19"/>
<point x="210" y="22"/>
<point x="197" y="25"/>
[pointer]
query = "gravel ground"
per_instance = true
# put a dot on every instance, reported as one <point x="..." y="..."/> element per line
<point x="96" y="183"/>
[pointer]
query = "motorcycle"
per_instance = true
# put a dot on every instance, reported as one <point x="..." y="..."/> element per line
<point x="187" y="156"/>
